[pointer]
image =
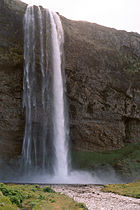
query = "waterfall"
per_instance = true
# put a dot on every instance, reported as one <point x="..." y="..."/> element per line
<point x="45" y="145"/>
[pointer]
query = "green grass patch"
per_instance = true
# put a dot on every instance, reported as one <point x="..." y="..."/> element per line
<point x="130" y="189"/>
<point x="87" y="160"/>
<point x="6" y="204"/>
<point x="35" y="197"/>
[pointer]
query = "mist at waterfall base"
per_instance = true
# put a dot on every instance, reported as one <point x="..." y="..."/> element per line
<point x="45" y="154"/>
<point x="11" y="173"/>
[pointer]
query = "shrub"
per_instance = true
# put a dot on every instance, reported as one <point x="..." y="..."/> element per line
<point x="15" y="196"/>
<point x="48" y="189"/>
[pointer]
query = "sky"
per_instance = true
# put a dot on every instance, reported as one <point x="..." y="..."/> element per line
<point x="119" y="14"/>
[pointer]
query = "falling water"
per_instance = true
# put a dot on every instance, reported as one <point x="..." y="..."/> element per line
<point x="45" y="145"/>
<point x="46" y="142"/>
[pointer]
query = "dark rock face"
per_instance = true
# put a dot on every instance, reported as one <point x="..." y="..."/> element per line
<point x="11" y="74"/>
<point x="103" y="83"/>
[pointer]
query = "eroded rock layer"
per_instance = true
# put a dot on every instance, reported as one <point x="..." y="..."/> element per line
<point x="103" y="83"/>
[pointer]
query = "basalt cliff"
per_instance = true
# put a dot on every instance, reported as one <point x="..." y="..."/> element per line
<point x="103" y="83"/>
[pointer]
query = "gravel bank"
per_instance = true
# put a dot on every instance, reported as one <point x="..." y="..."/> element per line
<point x="94" y="199"/>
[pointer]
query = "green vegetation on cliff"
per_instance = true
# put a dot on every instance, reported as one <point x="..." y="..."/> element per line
<point x="125" y="161"/>
<point x="130" y="189"/>
<point x="35" y="197"/>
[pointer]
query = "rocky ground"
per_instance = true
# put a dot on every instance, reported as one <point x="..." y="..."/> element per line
<point x="94" y="199"/>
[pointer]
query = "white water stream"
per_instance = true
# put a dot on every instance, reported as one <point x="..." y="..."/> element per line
<point x="45" y="146"/>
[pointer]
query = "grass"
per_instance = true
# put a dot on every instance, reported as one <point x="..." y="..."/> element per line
<point x="126" y="161"/>
<point x="14" y="197"/>
<point x="5" y="203"/>
<point x="130" y="189"/>
<point x="87" y="159"/>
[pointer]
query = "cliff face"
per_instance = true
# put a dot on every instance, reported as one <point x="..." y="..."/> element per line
<point x="11" y="74"/>
<point x="103" y="83"/>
